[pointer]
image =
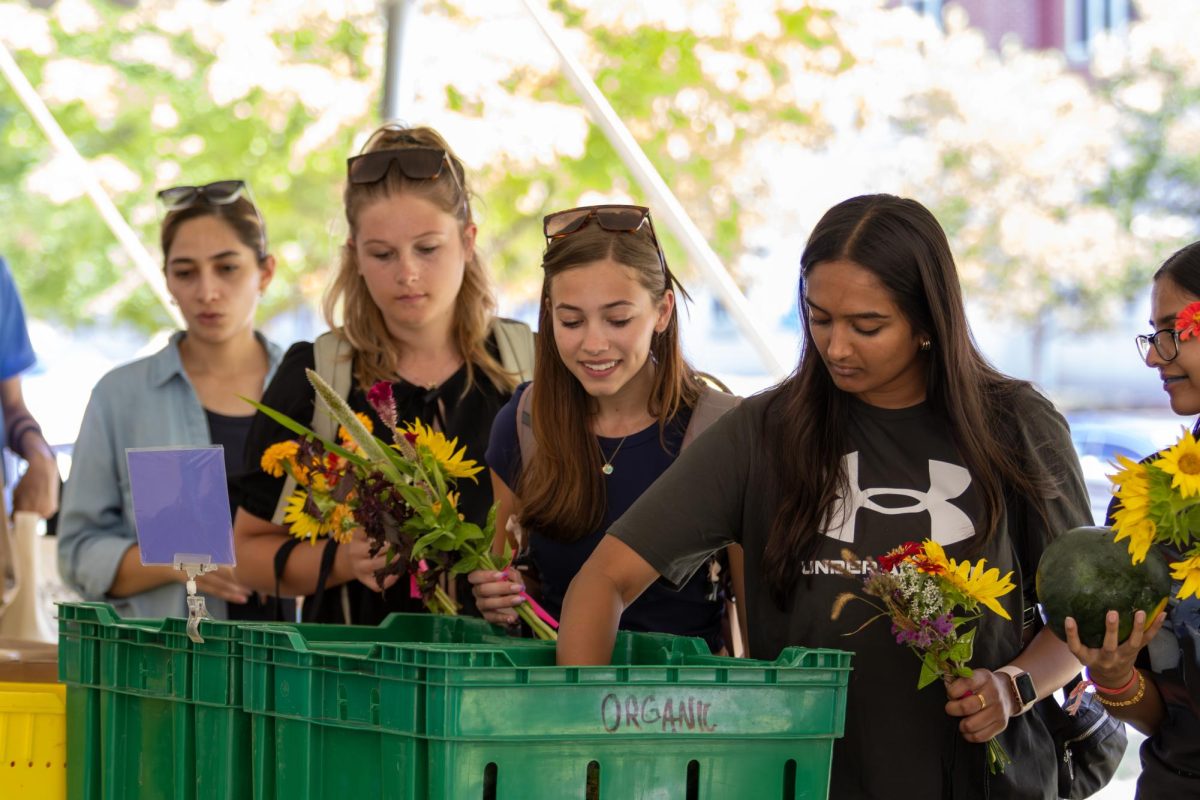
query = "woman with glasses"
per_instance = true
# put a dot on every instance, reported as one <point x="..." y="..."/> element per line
<point x="417" y="311"/>
<point x="612" y="403"/>
<point x="1152" y="680"/>
<point x="892" y="429"/>
<point x="217" y="267"/>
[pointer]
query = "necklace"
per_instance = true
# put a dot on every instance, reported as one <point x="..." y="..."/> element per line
<point x="607" y="469"/>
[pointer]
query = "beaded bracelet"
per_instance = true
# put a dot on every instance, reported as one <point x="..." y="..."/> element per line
<point x="1133" y="675"/>
<point x="1137" y="698"/>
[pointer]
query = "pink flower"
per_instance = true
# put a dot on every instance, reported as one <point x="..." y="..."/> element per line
<point x="381" y="399"/>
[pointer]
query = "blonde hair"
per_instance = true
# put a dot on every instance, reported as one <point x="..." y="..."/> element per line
<point x="475" y="307"/>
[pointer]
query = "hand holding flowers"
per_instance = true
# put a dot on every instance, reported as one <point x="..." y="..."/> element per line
<point x="928" y="598"/>
<point x="399" y="496"/>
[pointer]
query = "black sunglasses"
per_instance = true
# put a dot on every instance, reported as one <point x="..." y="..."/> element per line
<point x="417" y="163"/>
<point x="610" y="217"/>
<point x="218" y="193"/>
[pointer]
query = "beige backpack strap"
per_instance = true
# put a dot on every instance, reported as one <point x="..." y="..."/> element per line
<point x="710" y="407"/>
<point x="333" y="360"/>
<point x="514" y="341"/>
<point x="525" y="438"/>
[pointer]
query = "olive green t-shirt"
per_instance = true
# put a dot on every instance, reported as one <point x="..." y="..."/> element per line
<point x="907" y="483"/>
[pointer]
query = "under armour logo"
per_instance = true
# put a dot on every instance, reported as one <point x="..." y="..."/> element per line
<point x="946" y="482"/>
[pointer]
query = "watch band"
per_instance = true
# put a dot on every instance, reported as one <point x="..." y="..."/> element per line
<point x="1016" y="674"/>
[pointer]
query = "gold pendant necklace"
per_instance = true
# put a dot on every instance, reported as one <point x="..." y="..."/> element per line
<point x="607" y="469"/>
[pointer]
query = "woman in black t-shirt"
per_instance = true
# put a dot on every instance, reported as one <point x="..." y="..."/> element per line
<point x="893" y="428"/>
<point x="1152" y="680"/>
<point x="418" y="312"/>
<point x="605" y="415"/>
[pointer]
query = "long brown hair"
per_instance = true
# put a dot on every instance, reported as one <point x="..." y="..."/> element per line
<point x="902" y="244"/>
<point x="561" y="489"/>
<point x="362" y="321"/>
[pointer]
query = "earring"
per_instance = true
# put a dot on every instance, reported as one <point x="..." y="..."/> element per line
<point x="926" y="345"/>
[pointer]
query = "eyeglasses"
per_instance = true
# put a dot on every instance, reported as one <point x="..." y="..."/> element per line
<point x="1167" y="348"/>
<point x="614" y="218"/>
<point x="218" y="193"/>
<point x="417" y="163"/>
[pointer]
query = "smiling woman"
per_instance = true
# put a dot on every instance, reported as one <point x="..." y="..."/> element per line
<point x="216" y="267"/>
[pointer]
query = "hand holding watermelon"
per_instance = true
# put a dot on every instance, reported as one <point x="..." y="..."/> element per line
<point x="1084" y="575"/>
<point x="1111" y="663"/>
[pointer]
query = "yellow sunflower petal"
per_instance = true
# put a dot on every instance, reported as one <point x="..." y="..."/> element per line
<point x="1187" y="571"/>
<point x="301" y="524"/>
<point x="1182" y="461"/>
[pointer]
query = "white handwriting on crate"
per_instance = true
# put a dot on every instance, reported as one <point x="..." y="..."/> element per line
<point x="677" y="714"/>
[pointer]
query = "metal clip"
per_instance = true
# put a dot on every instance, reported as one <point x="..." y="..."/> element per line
<point x="195" y="566"/>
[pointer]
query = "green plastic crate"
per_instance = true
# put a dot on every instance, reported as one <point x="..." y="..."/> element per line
<point x="151" y="714"/>
<point x="500" y="720"/>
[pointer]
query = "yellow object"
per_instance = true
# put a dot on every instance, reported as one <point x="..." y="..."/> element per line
<point x="33" y="740"/>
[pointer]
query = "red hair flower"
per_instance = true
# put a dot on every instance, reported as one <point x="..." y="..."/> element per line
<point x="1188" y="322"/>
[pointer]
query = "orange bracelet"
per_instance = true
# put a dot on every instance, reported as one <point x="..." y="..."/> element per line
<point x="1133" y="676"/>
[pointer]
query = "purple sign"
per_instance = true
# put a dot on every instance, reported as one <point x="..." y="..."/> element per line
<point x="181" y="504"/>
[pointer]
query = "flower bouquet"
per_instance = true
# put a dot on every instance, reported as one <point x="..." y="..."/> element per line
<point x="401" y="493"/>
<point x="1160" y="504"/>
<point x="929" y="598"/>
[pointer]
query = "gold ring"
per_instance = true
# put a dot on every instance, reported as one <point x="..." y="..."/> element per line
<point x="982" y="701"/>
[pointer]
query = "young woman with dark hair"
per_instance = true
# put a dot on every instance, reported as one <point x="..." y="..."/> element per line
<point x="217" y="266"/>
<point x="1152" y="680"/>
<point x="893" y="428"/>
<point x="611" y="403"/>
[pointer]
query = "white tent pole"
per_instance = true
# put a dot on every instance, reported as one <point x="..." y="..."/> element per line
<point x="665" y="204"/>
<point x="143" y="262"/>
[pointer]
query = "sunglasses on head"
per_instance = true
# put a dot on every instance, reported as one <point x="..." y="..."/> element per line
<point x="610" y="217"/>
<point x="218" y="193"/>
<point x="416" y="163"/>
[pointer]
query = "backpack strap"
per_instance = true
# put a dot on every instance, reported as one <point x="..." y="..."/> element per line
<point x="514" y="341"/>
<point x="333" y="360"/>
<point x="525" y="438"/>
<point x="710" y="407"/>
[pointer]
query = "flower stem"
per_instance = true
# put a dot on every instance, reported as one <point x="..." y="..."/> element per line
<point x="997" y="757"/>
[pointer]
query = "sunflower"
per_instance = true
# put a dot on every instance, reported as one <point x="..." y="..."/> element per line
<point x="278" y="454"/>
<point x="339" y="524"/>
<point x="1187" y="571"/>
<point x="453" y="464"/>
<point x="1183" y="462"/>
<point x="302" y="524"/>
<point x="975" y="581"/>
<point x="1138" y="528"/>
<point x="1131" y="483"/>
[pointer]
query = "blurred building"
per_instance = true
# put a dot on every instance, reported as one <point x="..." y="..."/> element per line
<point x="1067" y="25"/>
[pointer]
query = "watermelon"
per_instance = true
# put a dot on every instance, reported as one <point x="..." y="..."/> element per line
<point x="1084" y="574"/>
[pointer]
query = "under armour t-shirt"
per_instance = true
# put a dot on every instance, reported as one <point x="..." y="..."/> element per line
<point x="907" y="484"/>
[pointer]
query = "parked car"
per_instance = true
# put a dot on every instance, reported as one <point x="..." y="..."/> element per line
<point x="1100" y="436"/>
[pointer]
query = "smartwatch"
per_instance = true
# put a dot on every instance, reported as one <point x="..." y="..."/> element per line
<point x="1020" y="683"/>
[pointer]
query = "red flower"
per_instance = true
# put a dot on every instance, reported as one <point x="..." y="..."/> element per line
<point x="896" y="555"/>
<point x="1188" y="322"/>
<point x="382" y="400"/>
<point x="412" y="437"/>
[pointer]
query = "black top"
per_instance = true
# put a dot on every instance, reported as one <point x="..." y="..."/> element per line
<point x="640" y="458"/>
<point x="1171" y="757"/>
<point x="468" y="417"/>
<point x="907" y="482"/>
<point x="231" y="433"/>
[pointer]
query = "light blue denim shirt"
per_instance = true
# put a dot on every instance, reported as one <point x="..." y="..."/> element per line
<point x="146" y="403"/>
